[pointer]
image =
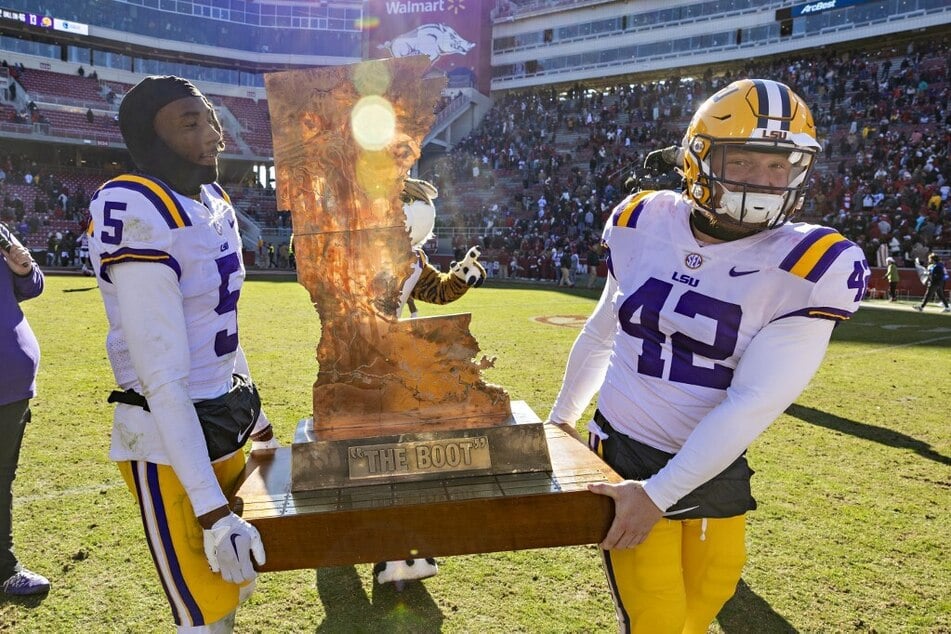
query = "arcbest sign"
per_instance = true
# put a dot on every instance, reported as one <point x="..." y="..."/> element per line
<point x="821" y="6"/>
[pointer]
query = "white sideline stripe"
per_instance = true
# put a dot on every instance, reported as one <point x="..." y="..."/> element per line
<point x="65" y="493"/>
<point x="897" y="345"/>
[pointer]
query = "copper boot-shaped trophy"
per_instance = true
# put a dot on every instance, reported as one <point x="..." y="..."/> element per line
<point x="408" y="452"/>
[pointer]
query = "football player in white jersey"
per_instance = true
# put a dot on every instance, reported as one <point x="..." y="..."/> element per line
<point x="165" y="248"/>
<point x="716" y="314"/>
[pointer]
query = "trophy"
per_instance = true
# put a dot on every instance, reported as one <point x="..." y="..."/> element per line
<point x="408" y="452"/>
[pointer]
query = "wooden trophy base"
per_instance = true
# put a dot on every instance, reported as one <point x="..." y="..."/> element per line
<point x="388" y="521"/>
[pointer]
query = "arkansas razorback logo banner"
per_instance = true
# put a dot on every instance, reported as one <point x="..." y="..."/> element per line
<point x="454" y="34"/>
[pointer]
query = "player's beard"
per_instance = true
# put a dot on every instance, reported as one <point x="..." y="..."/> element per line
<point x="177" y="172"/>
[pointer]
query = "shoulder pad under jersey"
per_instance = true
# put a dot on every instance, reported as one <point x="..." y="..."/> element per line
<point x="629" y="210"/>
<point x="220" y="192"/>
<point x="133" y="217"/>
<point x="836" y="266"/>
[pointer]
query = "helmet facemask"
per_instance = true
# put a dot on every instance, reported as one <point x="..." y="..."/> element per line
<point x="755" y="184"/>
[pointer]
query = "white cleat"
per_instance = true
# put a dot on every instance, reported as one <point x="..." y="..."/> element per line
<point x="403" y="570"/>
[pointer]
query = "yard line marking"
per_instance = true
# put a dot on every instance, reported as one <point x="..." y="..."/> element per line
<point x="28" y="499"/>
<point x="897" y="345"/>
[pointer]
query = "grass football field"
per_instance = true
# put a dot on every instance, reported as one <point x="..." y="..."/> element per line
<point x="853" y="484"/>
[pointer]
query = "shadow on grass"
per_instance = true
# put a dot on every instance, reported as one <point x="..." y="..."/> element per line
<point x="80" y="290"/>
<point x="868" y="432"/>
<point x="747" y="612"/>
<point x="29" y="601"/>
<point x="348" y="608"/>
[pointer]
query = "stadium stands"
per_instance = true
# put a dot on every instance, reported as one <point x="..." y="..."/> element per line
<point x="254" y="119"/>
<point x="884" y="117"/>
<point x="43" y="85"/>
<point x="319" y="28"/>
<point x="543" y="169"/>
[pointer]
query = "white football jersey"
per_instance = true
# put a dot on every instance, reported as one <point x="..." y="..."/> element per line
<point x="687" y="312"/>
<point x="136" y="218"/>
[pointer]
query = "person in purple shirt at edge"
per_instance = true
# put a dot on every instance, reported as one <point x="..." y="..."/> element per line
<point x="20" y="279"/>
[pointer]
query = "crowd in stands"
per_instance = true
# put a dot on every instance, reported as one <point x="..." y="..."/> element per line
<point x="45" y="212"/>
<point x="562" y="160"/>
<point x="535" y="182"/>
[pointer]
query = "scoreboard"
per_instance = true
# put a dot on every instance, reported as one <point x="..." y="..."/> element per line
<point x="43" y="21"/>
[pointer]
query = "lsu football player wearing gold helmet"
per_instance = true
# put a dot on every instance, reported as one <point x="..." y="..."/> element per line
<point x="708" y="286"/>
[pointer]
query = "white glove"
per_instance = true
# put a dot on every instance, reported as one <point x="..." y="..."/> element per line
<point x="229" y="545"/>
<point x="469" y="270"/>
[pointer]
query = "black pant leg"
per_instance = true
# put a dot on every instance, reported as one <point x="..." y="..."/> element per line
<point x="939" y="291"/>
<point x="13" y="417"/>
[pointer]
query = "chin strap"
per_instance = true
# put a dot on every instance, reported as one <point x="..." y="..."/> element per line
<point x="719" y="227"/>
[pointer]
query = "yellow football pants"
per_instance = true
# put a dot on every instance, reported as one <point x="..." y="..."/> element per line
<point x="196" y="595"/>
<point x="678" y="578"/>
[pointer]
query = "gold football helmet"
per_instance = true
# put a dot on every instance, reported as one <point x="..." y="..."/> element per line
<point x="729" y="182"/>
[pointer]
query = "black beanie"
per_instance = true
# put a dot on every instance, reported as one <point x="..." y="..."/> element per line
<point x="151" y="155"/>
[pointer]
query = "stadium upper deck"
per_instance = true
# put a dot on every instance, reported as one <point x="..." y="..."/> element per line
<point x="541" y="42"/>
<point x="533" y="44"/>
<point x="286" y="27"/>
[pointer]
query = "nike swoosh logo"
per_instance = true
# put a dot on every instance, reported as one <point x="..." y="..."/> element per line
<point x="230" y="222"/>
<point x="669" y="513"/>
<point x="241" y="437"/>
<point x="735" y="273"/>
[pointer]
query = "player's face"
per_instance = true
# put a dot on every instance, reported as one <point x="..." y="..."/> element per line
<point x="189" y="127"/>
<point x="760" y="171"/>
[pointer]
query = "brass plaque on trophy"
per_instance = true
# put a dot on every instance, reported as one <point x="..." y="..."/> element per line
<point x="436" y="517"/>
<point x="401" y="415"/>
<point x="517" y="446"/>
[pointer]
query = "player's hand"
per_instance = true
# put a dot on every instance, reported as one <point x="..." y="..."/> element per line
<point x="661" y="161"/>
<point x="469" y="270"/>
<point x="634" y="514"/>
<point x="19" y="259"/>
<point x="17" y="256"/>
<point x="229" y="545"/>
